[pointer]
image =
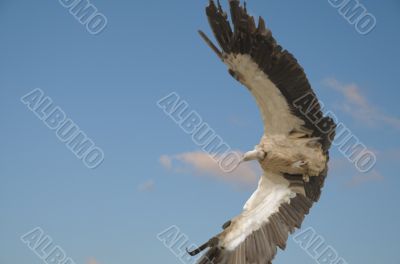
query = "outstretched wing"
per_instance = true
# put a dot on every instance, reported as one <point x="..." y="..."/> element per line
<point x="288" y="106"/>
<point x="272" y="213"/>
<point x="273" y="76"/>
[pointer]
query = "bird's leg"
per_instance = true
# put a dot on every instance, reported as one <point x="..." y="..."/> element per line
<point x="256" y="154"/>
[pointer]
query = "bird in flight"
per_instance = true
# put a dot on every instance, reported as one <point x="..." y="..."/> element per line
<point x="293" y="152"/>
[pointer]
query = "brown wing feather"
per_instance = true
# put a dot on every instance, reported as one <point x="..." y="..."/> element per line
<point x="280" y="66"/>
<point x="289" y="77"/>
<point x="261" y="246"/>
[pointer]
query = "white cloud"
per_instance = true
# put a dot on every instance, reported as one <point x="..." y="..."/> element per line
<point x="147" y="186"/>
<point x="342" y="167"/>
<point x="359" y="107"/>
<point x="200" y="163"/>
<point x="359" y="179"/>
<point x="389" y="155"/>
<point x="166" y="161"/>
<point x="92" y="261"/>
<point x="247" y="174"/>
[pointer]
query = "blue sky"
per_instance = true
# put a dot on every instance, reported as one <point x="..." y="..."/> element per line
<point x="109" y="84"/>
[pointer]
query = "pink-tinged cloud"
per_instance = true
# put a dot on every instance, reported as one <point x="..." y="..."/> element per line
<point x="350" y="176"/>
<point x="200" y="163"/>
<point x="360" y="179"/>
<point x="92" y="261"/>
<point x="166" y="162"/>
<point x="359" y="107"/>
<point x="146" y="186"/>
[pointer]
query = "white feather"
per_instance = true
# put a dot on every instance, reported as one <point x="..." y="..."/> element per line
<point x="272" y="191"/>
<point x="274" y="108"/>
